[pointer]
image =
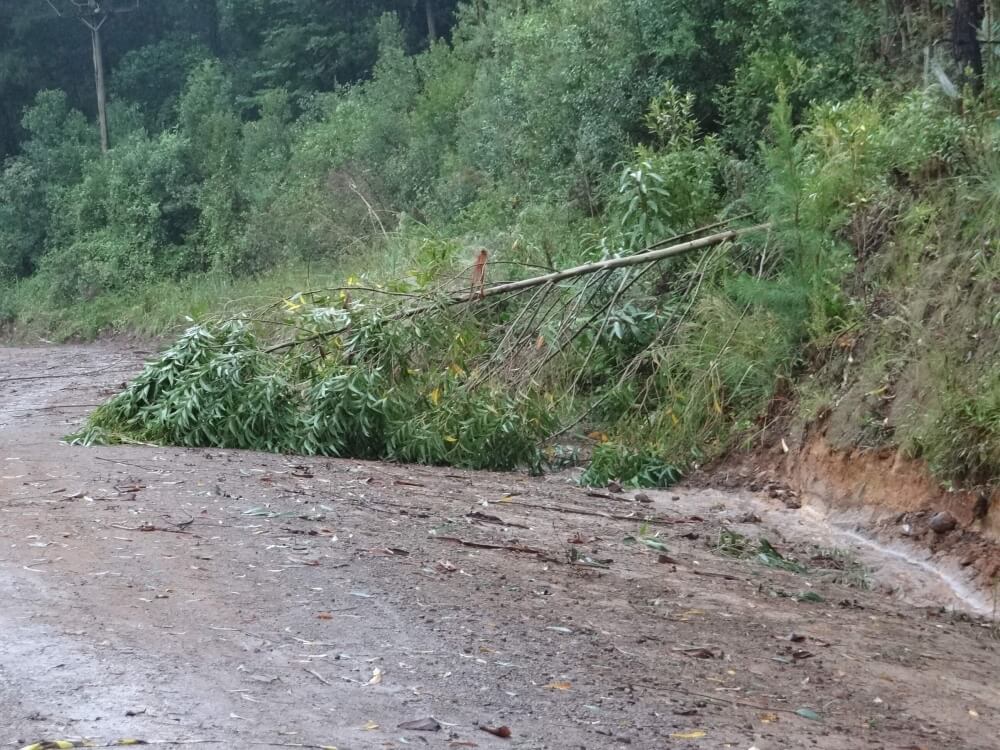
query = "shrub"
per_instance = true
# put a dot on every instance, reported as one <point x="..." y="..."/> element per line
<point x="630" y="467"/>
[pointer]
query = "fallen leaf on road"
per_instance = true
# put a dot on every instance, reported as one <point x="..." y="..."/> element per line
<point x="688" y="614"/>
<point x="699" y="653"/>
<point x="808" y="713"/>
<point x="370" y="726"/>
<point x="694" y="734"/>
<point x="376" y="677"/>
<point x="559" y="686"/>
<point x="430" y="724"/>
<point x="808" y="596"/>
<point x="497" y="731"/>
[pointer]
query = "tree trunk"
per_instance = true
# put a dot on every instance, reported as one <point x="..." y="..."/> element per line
<point x="967" y="18"/>
<point x="656" y="252"/>
<point x="102" y="98"/>
<point x="212" y="21"/>
<point x="431" y="23"/>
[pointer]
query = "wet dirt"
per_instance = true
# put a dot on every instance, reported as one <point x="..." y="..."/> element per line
<point x="248" y="600"/>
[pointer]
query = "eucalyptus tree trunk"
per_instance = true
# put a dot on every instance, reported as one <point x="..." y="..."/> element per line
<point x="102" y="96"/>
<point x="967" y="18"/>
<point x="431" y="22"/>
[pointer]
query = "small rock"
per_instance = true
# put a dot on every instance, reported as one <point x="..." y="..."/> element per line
<point x="614" y="487"/>
<point x="642" y="497"/>
<point x="430" y="724"/>
<point x="943" y="522"/>
<point x="792" y="502"/>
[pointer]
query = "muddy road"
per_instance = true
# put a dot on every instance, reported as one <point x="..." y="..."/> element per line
<point x="243" y="600"/>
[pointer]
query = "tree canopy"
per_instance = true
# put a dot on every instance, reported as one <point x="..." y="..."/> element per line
<point x="303" y="45"/>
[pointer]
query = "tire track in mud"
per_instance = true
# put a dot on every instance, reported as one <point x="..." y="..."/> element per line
<point x="63" y="670"/>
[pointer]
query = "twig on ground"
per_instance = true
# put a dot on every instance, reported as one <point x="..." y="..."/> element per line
<point x="24" y="378"/>
<point x="484" y="545"/>
<point x="599" y="514"/>
<point x="126" y="463"/>
<point x="319" y="677"/>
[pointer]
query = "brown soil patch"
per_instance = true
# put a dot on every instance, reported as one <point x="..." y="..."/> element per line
<point x="893" y="496"/>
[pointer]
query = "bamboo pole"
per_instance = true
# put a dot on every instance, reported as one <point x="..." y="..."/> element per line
<point x="648" y="256"/>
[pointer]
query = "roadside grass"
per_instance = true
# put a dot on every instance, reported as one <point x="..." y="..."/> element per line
<point x="161" y="310"/>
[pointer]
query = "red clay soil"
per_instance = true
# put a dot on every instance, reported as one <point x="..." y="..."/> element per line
<point x="250" y="600"/>
<point x="894" y="498"/>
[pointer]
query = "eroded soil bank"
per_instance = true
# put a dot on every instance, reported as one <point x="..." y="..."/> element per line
<point x="242" y="598"/>
<point x="883" y="502"/>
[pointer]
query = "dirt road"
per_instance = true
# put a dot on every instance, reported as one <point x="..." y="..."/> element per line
<point x="255" y="600"/>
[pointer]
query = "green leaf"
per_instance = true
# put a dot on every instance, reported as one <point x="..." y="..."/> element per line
<point x="808" y="596"/>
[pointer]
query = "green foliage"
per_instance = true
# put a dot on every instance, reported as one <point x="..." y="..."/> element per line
<point x="153" y="76"/>
<point x="734" y="544"/>
<point x="785" y="45"/>
<point x="630" y="467"/>
<point x="671" y="188"/>
<point x="127" y="222"/>
<point x="60" y="142"/>
<point x="527" y="101"/>
<point x="22" y="219"/>
<point x="960" y="436"/>
<point x="258" y="146"/>
<point x="54" y="157"/>
<point x="923" y="137"/>
<point x="212" y="388"/>
<point x="217" y="387"/>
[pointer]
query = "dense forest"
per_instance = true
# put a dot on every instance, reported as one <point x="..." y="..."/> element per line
<point x="310" y="181"/>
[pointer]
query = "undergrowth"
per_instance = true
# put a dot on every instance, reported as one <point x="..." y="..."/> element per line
<point x="671" y="365"/>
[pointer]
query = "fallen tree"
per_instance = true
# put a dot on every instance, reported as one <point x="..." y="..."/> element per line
<point x="382" y="373"/>
<point x="651" y="255"/>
